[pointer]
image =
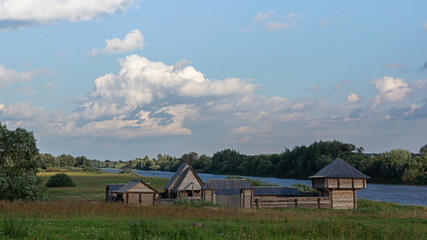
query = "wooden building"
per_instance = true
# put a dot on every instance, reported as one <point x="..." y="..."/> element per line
<point x="339" y="181"/>
<point x="110" y="194"/>
<point x="184" y="183"/>
<point x="236" y="193"/>
<point x="137" y="192"/>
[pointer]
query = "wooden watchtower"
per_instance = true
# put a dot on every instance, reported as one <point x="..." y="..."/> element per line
<point x="339" y="181"/>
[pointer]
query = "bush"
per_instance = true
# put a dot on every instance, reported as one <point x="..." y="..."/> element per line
<point x="60" y="180"/>
<point x="303" y="187"/>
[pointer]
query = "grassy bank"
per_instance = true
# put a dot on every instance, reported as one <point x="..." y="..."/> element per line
<point x="77" y="219"/>
<point x="91" y="185"/>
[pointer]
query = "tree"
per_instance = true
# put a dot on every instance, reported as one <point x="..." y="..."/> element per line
<point x="423" y="150"/>
<point x="19" y="163"/>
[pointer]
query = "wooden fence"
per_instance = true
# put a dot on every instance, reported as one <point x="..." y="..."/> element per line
<point x="293" y="202"/>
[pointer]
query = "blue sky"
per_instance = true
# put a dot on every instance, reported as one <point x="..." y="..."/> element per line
<point x="119" y="79"/>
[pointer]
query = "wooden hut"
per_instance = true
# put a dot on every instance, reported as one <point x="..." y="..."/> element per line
<point x="229" y="192"/>
<point x="137" y="192"/>
<point x="184" y="183"/>
<point x="339" y="181"/>
<point x="110" y="194"/>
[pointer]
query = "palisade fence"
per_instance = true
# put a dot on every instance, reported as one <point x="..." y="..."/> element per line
<point x="294" y="202"/>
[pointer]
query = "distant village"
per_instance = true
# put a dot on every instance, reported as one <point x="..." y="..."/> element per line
<point x="336" y="185"/>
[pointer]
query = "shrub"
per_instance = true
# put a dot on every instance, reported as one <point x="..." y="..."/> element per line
<point x="303" y="187"/>
<point x="60" y="180"/>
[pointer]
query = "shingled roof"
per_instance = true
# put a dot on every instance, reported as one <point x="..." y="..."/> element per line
<point x="132" y="184"/>
<point x="181" y="173"/>
<point x="227" y="184"/>
<point x="339" y="169"/>
<point x="275" y="191"/>
<point x="114" y="187"/>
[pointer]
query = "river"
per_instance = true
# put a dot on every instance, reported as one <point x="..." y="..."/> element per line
<point x="402" y="194"/>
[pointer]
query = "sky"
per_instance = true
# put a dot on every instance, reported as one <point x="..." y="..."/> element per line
<point x="120" y="79"/>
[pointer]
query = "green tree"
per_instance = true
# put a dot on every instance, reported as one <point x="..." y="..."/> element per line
<point x="19" y="163"/>
<point x="423" y="149"/>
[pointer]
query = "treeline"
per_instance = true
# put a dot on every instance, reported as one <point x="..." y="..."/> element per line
<point x="395" y="166"/>
<point x="66" y="162"/>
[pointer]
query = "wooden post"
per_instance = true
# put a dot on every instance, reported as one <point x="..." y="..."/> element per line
<point x="318" y="202"/>
<point x="354" y="199"/>
<point x="296" y="202"/>
<point x="140" y="198"/>
<point x="257" y="203"/>
<point x="127" y="198"/>
<point x="154" y="197"/>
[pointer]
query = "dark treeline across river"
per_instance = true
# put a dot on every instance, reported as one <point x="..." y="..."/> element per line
<point x="401" y="194"/>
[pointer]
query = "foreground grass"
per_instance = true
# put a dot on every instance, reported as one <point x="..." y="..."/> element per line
<point x="77" y="219"/>
<point x="91" y="185"/>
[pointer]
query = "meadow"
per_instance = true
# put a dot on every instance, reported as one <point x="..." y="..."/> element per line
<point x="81" y="213"/>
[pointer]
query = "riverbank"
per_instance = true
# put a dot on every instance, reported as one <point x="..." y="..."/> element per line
<point x="70" y="217"/>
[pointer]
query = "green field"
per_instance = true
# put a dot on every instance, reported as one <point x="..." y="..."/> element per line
<point x="71" y="216"/>
<point x="91" y="185"/>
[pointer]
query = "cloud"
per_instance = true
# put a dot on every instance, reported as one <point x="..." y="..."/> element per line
<point x="425" y="26"/>
<point x="422" y="68"/>
<point x="272" y="21"/>
<point x="340" y="85"/>
<point x="9" y="77"/>
<point x="132" y="41"/>
<point x="48" y="86"/>
<point x="389" y="89"/>
<point x="352" y="98"/>
<point x="324" y="22"/>
<point x="262" y="16"/>
<point x="275" y="25"/>
<point x="313" y="88"/>
<point x="356" y="113"/>
<point x="395" y="65"/>
<point x="24" y="13"/>
<point x="20" y="111"/>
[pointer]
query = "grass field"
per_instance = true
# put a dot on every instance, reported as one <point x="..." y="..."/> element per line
<point x="72" y="218"/>
<point x="91" y="185"/>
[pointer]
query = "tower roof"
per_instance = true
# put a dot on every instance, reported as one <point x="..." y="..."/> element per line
<point x="339" y="169"/>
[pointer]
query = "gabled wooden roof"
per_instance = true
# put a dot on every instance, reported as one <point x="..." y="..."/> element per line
<point x="114" y="187"/>
<point x="132" y="184"/>
<point x="181" y="173"/>
<point x="339" y="169"/>
<point x="227" y="184"/>
<point x="275" y="191"/>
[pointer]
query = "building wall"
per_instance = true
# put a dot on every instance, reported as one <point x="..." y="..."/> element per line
<point x="230" y="201"/>
<point x="208" y="195"/>
<point x="246" y="198"/>
<point x="343" y="199"/>
<point x="142" y="199"/>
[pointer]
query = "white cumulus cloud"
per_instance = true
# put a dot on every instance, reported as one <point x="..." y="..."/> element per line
<point x="140" y="82"/>
<point x="9" y="77"/>
<point x="389" y="89"/>
<point x="132" y="41"/>
<point x="26" y="13"/>
<point x="352" y="98"/>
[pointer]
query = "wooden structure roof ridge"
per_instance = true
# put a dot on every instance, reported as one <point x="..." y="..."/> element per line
<point x="115" y="186"/>
<point x="227" y="184"/>
<point x="132" y="184"/>
<point x="275" y="191"/>
<point x="339" y="169"/>
<point x="184" y="175"/>
<point x="176" y="175"/>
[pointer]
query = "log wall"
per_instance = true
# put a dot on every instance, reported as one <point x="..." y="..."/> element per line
<point x="293" y="202"/>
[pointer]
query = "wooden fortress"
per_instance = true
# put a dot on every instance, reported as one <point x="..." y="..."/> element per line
<point x="339" y="181"/>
